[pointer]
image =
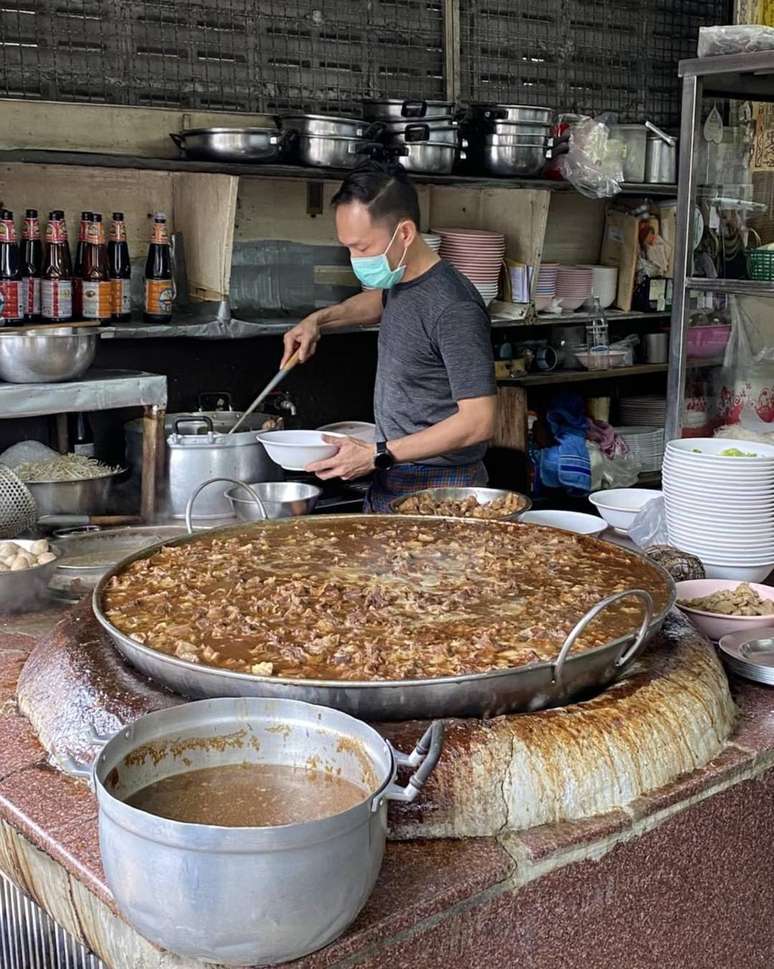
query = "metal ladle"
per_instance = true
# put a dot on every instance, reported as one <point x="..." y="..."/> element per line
<point x="275" y="380"/>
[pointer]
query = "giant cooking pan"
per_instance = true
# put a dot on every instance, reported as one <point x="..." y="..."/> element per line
<point x="525" y="688"/>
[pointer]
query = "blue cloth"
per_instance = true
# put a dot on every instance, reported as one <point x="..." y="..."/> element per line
<point x="566" y="464"/>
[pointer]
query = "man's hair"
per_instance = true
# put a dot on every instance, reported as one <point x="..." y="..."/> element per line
<point x="385" y="190"/>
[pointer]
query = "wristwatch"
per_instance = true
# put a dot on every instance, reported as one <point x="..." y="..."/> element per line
<point x="383" y="460"/>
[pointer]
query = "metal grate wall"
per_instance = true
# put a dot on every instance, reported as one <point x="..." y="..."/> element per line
<point x="271" y="55"/>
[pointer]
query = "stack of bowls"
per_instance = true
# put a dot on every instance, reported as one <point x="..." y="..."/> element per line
<point x="573" y="286"/>
<point x="720" y="507"/>
<point x="433" y="240"/>
<point x="645" y="443"/>
<point x="477" y="254"/>
<point x="604" y="284"/>
<point x="545" y="288"/>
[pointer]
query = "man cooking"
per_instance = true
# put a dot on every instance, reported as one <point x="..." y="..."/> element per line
<point x="435" y="396"/>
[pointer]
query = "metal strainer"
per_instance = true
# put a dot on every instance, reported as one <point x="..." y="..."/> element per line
<point x="18" y="511"/>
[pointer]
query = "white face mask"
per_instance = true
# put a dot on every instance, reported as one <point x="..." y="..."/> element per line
<point x="375" y="271"/>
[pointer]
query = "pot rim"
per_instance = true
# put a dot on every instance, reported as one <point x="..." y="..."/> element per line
<point x="211" y="837"/>
<point x="323" y="117"/>
<point x="188" y="132"/>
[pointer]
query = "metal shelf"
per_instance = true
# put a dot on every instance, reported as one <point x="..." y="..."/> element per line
<point x="741" y="287"/>
<point x="97" y="390"/>
<point x="103" y="160"/>
<point x="612" y="316"/>
<point x="583" y="376"/>
<point x="749" y="77"/>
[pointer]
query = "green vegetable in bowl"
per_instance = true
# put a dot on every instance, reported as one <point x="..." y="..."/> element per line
<point x="734" y="452"/>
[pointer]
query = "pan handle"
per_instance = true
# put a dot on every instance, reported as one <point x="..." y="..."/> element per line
<point x="203" y="485"/>
<point x="202" y="418"/>
<point x="179" y="140"/>
<point x="647" y="617"/>
<point x="424" y="757"/>
<point x="68" y="763"/>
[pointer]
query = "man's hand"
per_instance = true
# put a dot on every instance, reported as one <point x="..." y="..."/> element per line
<point x="304" y="337"/>
<point x="354" y="459"/>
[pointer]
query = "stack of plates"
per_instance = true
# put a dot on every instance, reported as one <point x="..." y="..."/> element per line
<point x="721" y="508"/>
<point x="573" y="286"/>
<point x="433" y="240"/>
<point x="649" y="411"/>
<point x="645" y="443"/>
<point x="545" y="288"/>
<point x="477" y="254"/>
<point x="750" y="654"/>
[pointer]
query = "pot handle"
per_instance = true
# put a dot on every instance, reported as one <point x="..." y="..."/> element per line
<point x="76" y="768"/>
<point x="203" y="485"/>
<point x="647" y="608"/>
<point x="416" y="132"/>
<point x="207" y="421"/>
<point x="178" y="140"/>
<point x="424" y="757"/>
<point x="217" y="396"/>
<point x="413" y="109"/>
<point x="661" y="134"/>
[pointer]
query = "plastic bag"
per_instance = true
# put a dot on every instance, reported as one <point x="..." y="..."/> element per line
<point x="593" y="164"/>
<point x="621" y="471"/>
<point x="734" y="39"/>
<point x="650" y="525"/>
<point x="746" y="379"/>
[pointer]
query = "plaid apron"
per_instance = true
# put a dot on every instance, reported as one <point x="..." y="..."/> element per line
<point x="403" y="479"/>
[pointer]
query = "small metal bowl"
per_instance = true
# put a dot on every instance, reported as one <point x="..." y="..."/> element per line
<point x="482" y="495"/>
<point x="281" y="499"/>
<point x="47" y="356"/>
<point x="27" y="589"/>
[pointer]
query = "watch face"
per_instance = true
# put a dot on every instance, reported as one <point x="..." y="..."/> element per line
<point x="383" y="460"/>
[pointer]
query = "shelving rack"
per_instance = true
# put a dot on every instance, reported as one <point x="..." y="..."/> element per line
<point x="747" y="77"/>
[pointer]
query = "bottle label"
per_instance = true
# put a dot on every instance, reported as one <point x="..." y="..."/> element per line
<point x="95" y="233"/>
<point x="56" y="299"/>
<point x="82" y="231"/>
<point x="160" y="234"/>
<point x="121" y="301"/>
<point x="97" y="299"/>
<point x="118" y="232"/>
<point x="7" y="230"/>
<point x="31" y="296"/>
<point x="159" y="295"/>
<point x="31" y="229"/>
<point x="56" y="231"/>
<point x="11" y="297"/>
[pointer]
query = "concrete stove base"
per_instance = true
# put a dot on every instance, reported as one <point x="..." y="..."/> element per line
<point x="681" y="878"/>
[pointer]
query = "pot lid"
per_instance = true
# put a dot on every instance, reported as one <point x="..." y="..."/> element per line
<point x="323" y="117"/>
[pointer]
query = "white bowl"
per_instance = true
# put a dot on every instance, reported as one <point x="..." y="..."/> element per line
<point x="715" y="624"/>
<point x="572" y="302"/>
<point x="294" y="450"/>
<point x="752" y="573"/>
<point x="619" y="506"/>
<point x="362" y="430"/>
<point x="569" y="521"/>
<point x="710" y="447"/>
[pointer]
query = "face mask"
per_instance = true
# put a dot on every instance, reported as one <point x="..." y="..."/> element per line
<point x="375" y="272"/>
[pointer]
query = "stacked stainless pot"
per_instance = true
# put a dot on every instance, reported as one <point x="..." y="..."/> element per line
<point x="326" y="141"/>
<point x="512" y="140"/>
<point x="247" y="145"/>
<point x="424" y="135"/>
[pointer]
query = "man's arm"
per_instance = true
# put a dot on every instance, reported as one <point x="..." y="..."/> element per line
<point x="473" y="423"/>
<point x="365" y="309"/>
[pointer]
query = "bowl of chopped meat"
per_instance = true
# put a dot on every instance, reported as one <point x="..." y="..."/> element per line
<point x="721" y="606"/>
<point x="489" y="503"/>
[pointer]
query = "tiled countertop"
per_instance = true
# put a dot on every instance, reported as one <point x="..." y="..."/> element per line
<point x="477" y="903"/>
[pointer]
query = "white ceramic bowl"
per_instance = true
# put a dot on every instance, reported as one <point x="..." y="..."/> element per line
<point x="715" y="624"/>
<point x="569" y="521"/>
<point x="747" y="573"/>
<point x="362" y="430"/>
<point x="294" y="450"/>
<point x="710" y="448"/>
<point x="619" y="506"/>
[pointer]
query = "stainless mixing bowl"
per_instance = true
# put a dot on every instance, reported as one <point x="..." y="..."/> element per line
<point x="281" y="499"/>
<point x="47" y="356"/>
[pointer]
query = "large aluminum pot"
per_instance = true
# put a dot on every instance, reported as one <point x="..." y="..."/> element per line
<point x="397" y="109"/>
<point x="521" y="161"/>
<point x="324" y="124"/>
<point x="250" y="895"/>
<point x="329" y="151"/>
<point x="47" y="356"/>
<point x="230" y="144"/>
<point x="517" y="113"/>
<point x="441" y="131"/>
<point x="526" y="129"/>
<point x="429" y="157"/>
<point x="199" y="447"/>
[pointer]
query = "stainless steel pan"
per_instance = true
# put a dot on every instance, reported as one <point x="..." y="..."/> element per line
<point x="231" y="144"/>
<point x="397" y="109"/>
<point x="324" y="124"/>
<point x="525" y="688"/>
<point x="518" y="113"/>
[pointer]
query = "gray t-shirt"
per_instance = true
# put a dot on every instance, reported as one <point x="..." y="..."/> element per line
<point x="435" y="349"/>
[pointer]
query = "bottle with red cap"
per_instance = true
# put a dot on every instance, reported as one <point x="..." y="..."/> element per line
<point x="56" y="285"/>
<point x="120" y="269"/>
<point x="12" y="310"/>
<point x="31" y="266"/>
<point x="80" y="249"/>
<point x="97" y="291"/>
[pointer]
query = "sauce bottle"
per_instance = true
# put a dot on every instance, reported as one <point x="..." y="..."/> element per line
<point x="11" y="310"/>
<point x="80" y="250"/>
<point x="120" y="269"/>
<point x="31" y="266"/>
<point x="56" y="284"/>
<point x="159" y="291"/>
<point x="97" y="293"/>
